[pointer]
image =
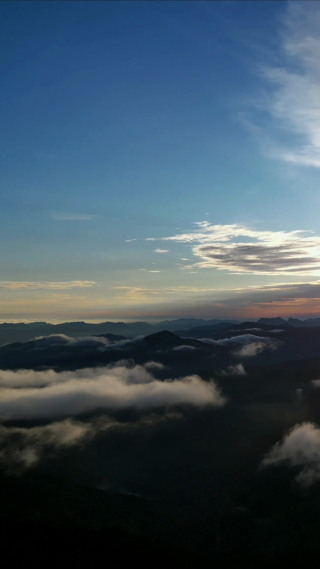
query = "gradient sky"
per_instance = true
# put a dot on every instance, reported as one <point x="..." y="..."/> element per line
<point x="158" y="158"/>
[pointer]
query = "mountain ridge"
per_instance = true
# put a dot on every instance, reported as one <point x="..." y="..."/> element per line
<point x="24" y="332"/>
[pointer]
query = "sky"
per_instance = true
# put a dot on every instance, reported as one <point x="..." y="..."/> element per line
<point x="159" y="160"/>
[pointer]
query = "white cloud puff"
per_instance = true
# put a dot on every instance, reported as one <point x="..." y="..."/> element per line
<point x="244" y="340"/>
<point x="300" y="447"/>
<point x="24" y="447"/>
<point x="61" y="340"/>
<point x="98" y="343"/>
<point x="154" y="366"/>
<point x="51" y="395"/>
<point x="251" y="350"/>
<point x="250" y="345"/>
<point x="237" y="369"/>
<point x="209" y="341"/>
<point x="183" y="348"/>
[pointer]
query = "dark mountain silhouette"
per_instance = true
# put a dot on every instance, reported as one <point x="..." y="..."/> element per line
<point x="186" y="323"/>
<point x="186" y="351"/>
<point x="22" y="332"/>
<point x="272" y="321"/>
<point x="181" y="355"/>
<point x="111" y="337"/>
<point x="308" y="323"/>
<point x="164" y="338"/>
<point x="225" y="330"/>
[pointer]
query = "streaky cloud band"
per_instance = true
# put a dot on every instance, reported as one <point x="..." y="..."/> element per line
<point x="239" y="249"/>
<point x="34" y="285"/>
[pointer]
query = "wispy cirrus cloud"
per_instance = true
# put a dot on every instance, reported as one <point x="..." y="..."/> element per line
<point x="288" y="118"/>
<point x="161" y="250"/>
<point x="30" y="285"/>
<point x="149" y="294"/>
<point x="239" y="249"/>
<point x="274" y="299"/>
<point x="69" y="216"/>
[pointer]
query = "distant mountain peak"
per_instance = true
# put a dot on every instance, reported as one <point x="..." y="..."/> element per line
<point x="163" y="337"/>
<point x="278" y="320"/>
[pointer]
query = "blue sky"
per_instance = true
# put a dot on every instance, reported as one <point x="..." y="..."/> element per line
<point x="150" y="121"/>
